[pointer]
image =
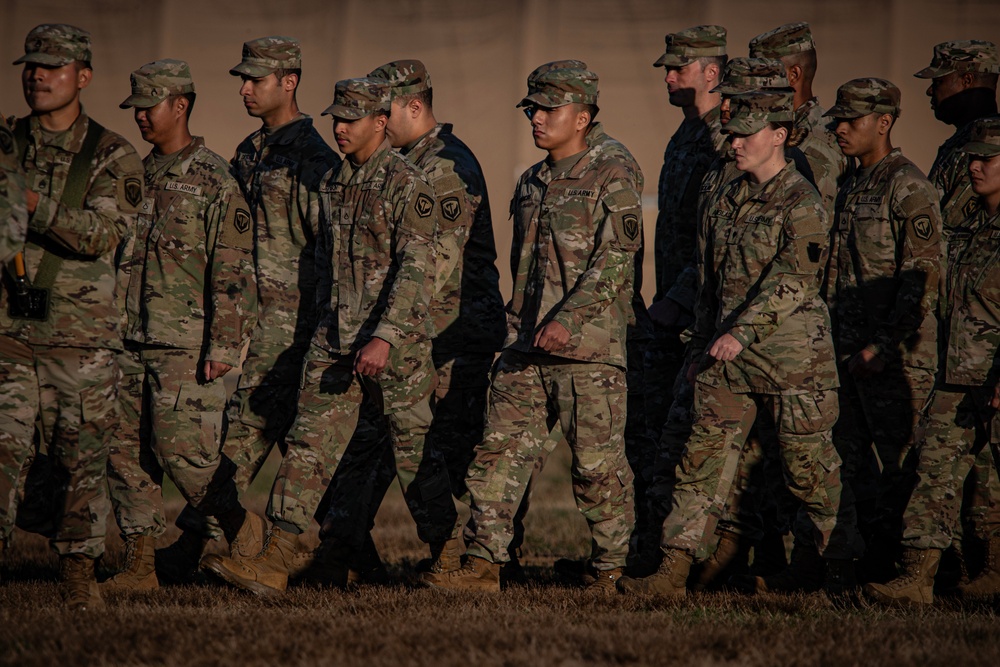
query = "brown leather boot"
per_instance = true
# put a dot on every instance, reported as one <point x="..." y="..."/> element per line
<point x="78" y="585"/>
<point x="267" y="572"/>
<point x="478" y="575"/>
<point x="670" y="579"/>
<point x="446" y="556"/>
<point x="249" y="540"/>
<point x="915" y="586"/>
<point x="139" y="571"/>
<point x="726" y="553"/>
<point x="604" y="581"/>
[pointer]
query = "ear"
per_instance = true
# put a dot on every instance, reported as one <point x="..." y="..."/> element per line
<point x="780" y="135"/>
<point x="414" y="107"/>
<point x="968" y="80"/>
<point x="180" y="106"/>
<point x="885" y="122"/>
<point x="583" y="120"/>
<point x="794" y="74"/>
<point x="290" y="82"/>
<point x="380" y="122"/>
<point x="711" y="73"/>
<point x="83" y="77"/>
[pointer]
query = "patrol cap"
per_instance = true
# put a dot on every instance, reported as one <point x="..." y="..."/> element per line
<point x="559" y="87"/>
<point x="357" y="98"/>
<point x="686" y="46"/>
<point x="860" y="97"/>
<point x="267" y="55"/>
<point x="786" y="40"/>
<point x="985" y="138"/>
<point x="156" y="81"/>
<point x="405" y="77"/>
<point x="969" y="55"/>
<point x="55" y="45"/>
<point x="749" y="113"/>
<point x="744" y="75"/>
<point x="555" y="64"/>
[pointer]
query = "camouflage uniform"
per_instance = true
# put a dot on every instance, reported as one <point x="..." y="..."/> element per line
<point x="959" y="421"/>
<point x="61" y="370"/>
<point x="577" y="225"/>
<point x="882" y="292"/>
<point x="12" y="207"/>
<point x="691" y="151"/>
<point x="375" y="258"/>
<point x="191" y="298"/>
<point x="761" y="260"/>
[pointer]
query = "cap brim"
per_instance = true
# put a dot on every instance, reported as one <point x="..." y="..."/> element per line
<point x="253" y="71"/>
<point x="744" y="126"/>
<point x="841" y="111"/>
<point x="981" y="149"/>
<point x="347" y="113"/>
<point x="140" y="102"/>
<point x="933" y="72"/>
<point x="542" y="100"/>
<point x="673" y="60"/>
<point x="43" y="59"/>
<point x="730" y="89"/>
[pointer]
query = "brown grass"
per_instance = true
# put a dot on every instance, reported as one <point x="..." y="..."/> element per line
<point x="543" y="622"/>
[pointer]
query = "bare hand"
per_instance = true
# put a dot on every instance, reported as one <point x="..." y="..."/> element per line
<point x="215" y="369"/>
<point x="995" y="403"/>
<point x="372" y="358"/>
<point x="31" y="199"/>
<point x="865" y="364"/>
<point x="725" y="348"/>
<point x="692" y="373"/>
<point x="552" y="337"/>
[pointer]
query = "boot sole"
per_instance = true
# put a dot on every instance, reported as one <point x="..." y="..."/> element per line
<point x="211" y="565"/>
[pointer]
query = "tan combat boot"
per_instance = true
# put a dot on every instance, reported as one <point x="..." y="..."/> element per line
<point x="478" y="574"/>
<point x="139" y="572"/>
<point x="604" y="581"/>
<point x="267" y="572"/>
<point x="727" y="552"/>
<point x="178" y="563"/>
<point x="78" y="585"/>
<point x="249" y="540"/>
<point x="670" y="579"/>
<point x="446" y="556"/>
<point x="915" y="586"/>
<point x="987" y="582"/>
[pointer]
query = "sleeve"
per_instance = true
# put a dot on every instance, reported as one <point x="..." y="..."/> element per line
<point x="416" y="226"/>
<point x="791" y="279"/>
<point x="619" y="236"/>
<point x="232" y="279"/>
<point x="12" y="205"/>
<point x="307" y="199"/>
<point x="455" y="217"/>
<point x="705" y="304"/>
<point x="109" y="209"/>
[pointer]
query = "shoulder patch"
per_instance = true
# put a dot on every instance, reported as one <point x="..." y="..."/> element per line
<point x="129" y="193"/>
<point x="6" y="141"/>
<point x="451" y="208"/>
<point x="922" y="227"/>
<point x="630" y="225"/>
<point x="814" y="251"/>
<point x="970" y="207"/>
<point x="424" y="205"/>
<point x="237" y="228"/>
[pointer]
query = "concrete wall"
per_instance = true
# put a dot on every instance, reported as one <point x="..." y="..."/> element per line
<point x="478" y="53"/>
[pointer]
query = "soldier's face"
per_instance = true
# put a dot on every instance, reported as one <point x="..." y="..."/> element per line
<point x="985" y="175"/>
<point x="858" y="136"/>
<point x="399" y="126"/>
<point x="754" y="150"/>
<point x="555" y="128"/>
<point x="156" y="123"/>
<point x="724" y="114"/>
<point x="684" y="83"/>
<point x="359" y="137"/>
<point x="942" y="88"/>
<point x="262" y="96"/>
<point x="49" y="89"/>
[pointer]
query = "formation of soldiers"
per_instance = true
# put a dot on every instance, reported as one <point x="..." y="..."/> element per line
<point x="819" y="361"/>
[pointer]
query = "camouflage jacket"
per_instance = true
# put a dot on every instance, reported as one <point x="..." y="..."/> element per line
<point x="192" y="282"/>
<point x="827" y="166"/>
<point x="761" y="259"/>
<point x="85" y="305"/>
<point x="13" y="210"/>
<point x="467" y="309"/>
<point x="689" y="154"/>
<point x="885" y="254"/>
<point x="972" y="352"/>
<point x="280" y="173"/>
<point x="576" y="231"/>
<point x="375" y="254"/>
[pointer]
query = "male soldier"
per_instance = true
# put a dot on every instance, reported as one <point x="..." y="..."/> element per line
<point x="279" y="168"/>
<point x="13" y="210"/>
<point x="961" y="419"/>
<point x="793" y="45"/>
<point x="881" y="288"/>
<point x="693" y="62"/>
<point x="62" y="331"/>
<point x="372" y="343"/>
<point x="577" y="224"/>
<point x="467" y="310"/>
<point x="191" y="305"/>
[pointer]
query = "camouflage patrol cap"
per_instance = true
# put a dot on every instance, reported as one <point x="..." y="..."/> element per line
<point x="405" y="77"/>
<point x="985" y="138"/>
<point x="559" y="87"/>
<point x="156" y="81"/>
<point x="785" y="40"/>
<point x="686" y="46"/>
<point x="266" y="55"/>
<point x="357" y="98"/>
<point x="55" y="45"/>
<point x="555" y="64"/>
<point x="743" y="75"/>
<point x="749" y="113"/>
<point x="970" y="55"/>
<point x="860" y="97"/>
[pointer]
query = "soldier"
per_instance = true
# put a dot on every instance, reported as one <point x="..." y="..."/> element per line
<point x="693" y="62"/>
<point x="191" y="305"/>
<point x="577" y="224"/>
<point x="12" y="207"/>
<point x="467" y="309"/>
<point x="766" y="336"/>
<point x="278" y="168"/>
<point x="62" y="329"/>
<point x="881" y="288"/>
<point x="961" y="417"/>
<point x="376" y="247"/>
<point x="793" y="45"/>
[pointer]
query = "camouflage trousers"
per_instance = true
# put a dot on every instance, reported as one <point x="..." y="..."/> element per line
<point x="71" y="394"/>
<point x="528" y="395"/>
<point x="179" y="428"/>
<point x="721" y="424"/>
<point x="959" y="425"/>
<point x="330" y="400"/>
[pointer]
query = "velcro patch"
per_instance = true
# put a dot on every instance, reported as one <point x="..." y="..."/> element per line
<point x="871" y="199"/>
<point x="451" y="208"/>
<point x="283" y="161"/>
<point x="922" y="227"/>
<point x="424" y="205"/>
<point x="188" y="188"/>
<point x="129" y="194"/>
<point x="760" y="219"/>
<point x="237" y="229"/>
<point x="576" y="192"/>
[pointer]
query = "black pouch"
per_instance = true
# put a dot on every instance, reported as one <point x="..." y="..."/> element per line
<point x="33" y="305"/>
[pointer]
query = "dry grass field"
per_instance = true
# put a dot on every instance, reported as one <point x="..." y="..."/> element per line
<point x="543" y="622"/>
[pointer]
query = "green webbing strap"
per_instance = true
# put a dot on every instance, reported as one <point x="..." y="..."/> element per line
<point x="73" y="193"/>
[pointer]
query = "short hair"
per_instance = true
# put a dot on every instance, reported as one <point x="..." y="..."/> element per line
<point x="82" y="64"/>
<point x="281" y="73"/>
<point x="381" y="112"/>
<point x="426" y="98"/>
<point x="805" y="60"/>
<point x="985" y="80"/>
<point x="190" y="97"/>
<point x="705" y="61"/>
<point x="591" y="109"/>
